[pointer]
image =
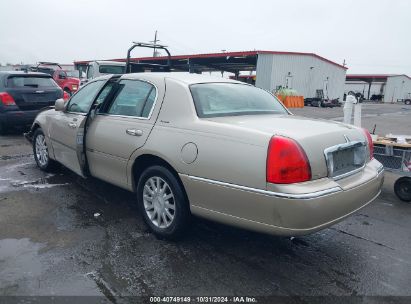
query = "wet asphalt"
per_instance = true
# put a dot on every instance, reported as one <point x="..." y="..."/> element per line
<point x="63" y="235"/>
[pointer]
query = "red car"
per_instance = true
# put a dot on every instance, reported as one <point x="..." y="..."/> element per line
<point x="67" y="80"/>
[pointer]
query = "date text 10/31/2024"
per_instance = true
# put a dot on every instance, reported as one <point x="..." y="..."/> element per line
<point x="234" y="299"/>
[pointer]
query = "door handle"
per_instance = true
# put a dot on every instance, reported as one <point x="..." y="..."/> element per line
<point x="72" y="125"/>
<point x="134" y="132"/>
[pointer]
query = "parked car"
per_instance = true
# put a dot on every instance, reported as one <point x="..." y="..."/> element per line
<point x="321" y="102"/>
<point x="99" y="68"/>
<point x="69" y="81"/>
<point x="376" y="97"/>
<point x="210" y="147"/>
<point x="23" y="94"/>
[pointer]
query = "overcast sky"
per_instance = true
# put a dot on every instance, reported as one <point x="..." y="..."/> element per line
<point x="373" y="36"/>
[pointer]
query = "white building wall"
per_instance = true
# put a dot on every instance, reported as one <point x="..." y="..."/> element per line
<point x="398" y="87"/>
<point x="308" y="74"/>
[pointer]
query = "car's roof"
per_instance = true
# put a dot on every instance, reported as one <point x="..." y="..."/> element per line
<point x="17" y="73"/>
<point x="184" y="77"/>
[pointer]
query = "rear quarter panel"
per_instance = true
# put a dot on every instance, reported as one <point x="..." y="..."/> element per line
<point x="223" y="154"/>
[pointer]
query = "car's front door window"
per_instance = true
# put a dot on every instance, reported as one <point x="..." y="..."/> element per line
<point x="82" y="100"/>
<point x="133" y="98"/>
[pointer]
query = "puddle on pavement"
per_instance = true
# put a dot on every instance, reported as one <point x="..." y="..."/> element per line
<point x="16" y="176"/>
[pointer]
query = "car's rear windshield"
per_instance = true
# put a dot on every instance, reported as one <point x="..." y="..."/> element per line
<point x="30" y="81"/>
<point x="111" y="69"/>
<point x="230" y="99"/>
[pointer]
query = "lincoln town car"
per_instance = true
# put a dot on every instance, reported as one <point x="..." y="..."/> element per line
<point x="194" y="146"/>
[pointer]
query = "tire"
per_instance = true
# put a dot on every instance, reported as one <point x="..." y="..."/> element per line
<point x="167" y="219"/>
<point x="40" y="151"/>
<point x="407" y="101"/>
<point x="2" y="129"/>
<point x="402" y="188"/>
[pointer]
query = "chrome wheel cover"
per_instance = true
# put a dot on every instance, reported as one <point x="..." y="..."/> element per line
<point x="42" y="153"/>
<point x="159" y="202"/>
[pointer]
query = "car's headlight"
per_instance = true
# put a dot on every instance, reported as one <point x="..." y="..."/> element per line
<point x="74" y="87"/>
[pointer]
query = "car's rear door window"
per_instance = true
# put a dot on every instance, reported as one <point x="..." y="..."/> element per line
<point x="133" y="98"/>
<point x="231" y="99"/>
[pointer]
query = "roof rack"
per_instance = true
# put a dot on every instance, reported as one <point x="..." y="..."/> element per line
<point x="141" y="67"/>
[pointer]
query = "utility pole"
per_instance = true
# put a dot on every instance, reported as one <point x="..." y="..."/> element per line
<point x="155" y="43"/>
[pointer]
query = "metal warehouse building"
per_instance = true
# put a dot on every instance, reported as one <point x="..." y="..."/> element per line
<point x="391" y="88"/>
<point x="307" y="73"/>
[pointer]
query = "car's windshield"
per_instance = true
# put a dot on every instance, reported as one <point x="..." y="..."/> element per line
<point x="111" y="69"/>
<point x="229" y="99"/>
<point x="73" y="73"/>
<point x="30" y="81"/>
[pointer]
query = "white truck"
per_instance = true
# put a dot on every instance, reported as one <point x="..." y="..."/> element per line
<point x="98" y="68"/>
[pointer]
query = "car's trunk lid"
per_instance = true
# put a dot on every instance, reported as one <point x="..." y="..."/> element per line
<point x="314" y="135"/>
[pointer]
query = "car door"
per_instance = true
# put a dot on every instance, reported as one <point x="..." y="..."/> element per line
<point x="67" y="127"/>
<point x="122" y="126"/>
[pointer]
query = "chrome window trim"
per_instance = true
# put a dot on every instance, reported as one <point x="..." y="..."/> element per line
<point x="310" y="195"/>
<point x="123" y="116"/>
<point x="343" y="146"/>
<point x="131" y="116"/>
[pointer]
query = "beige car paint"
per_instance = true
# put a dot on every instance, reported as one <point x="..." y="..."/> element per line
<point x="226" y="179"/>
<point x="108" y="155"/>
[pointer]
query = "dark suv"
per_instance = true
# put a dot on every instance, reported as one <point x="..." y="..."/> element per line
<point x="23" y="95"/>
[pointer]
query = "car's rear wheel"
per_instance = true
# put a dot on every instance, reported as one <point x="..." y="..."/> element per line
<point x="407" y="101"/>
<point x="162" y="202"/>
<point x="2" y="129"/>
<point x="402" y="188"/>
<point x="41" y="151"/>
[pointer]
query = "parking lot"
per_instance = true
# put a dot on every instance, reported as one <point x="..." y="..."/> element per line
<point x="63" y="235"/>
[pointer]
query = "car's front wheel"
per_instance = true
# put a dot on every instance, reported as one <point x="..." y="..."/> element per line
<point x="162" y="202"/>
<point x="41" y="151"/>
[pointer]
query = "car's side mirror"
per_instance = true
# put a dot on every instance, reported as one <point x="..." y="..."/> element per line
<point x="60" y="105"/>
<point x="62" y="76"/>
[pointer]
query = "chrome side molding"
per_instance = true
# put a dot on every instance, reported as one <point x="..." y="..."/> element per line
<point x="310" y="195"/>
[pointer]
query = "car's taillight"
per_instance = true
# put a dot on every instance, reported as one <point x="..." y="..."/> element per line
<point x="66" y="96"/>
<point x="6" y="99"/>
<point x="287" y="162"/>
<point x="370" y="143"/>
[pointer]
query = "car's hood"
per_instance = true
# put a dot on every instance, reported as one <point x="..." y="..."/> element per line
<point x="314" y="135"/>
<point x="73" y="80"/>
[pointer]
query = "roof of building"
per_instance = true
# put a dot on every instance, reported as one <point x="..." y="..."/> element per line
<point x="372" y="77"/>
<point x="241" y="60"/>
